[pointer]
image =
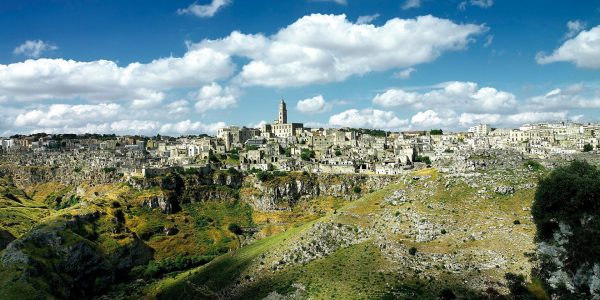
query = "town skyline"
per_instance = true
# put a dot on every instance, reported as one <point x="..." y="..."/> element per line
<point x="191" y="68"/>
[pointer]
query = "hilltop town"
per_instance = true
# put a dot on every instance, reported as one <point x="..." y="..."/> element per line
<point x="286" y="146"/>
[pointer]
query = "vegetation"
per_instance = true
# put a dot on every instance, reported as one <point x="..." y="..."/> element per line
<point x="587" y="148"/>
<point x="423" y="159"/>
<point x="436" y="132"/>
<point x="533" y="165"/>
<point x="569" y="198"/>
<point x="307" y="154"/>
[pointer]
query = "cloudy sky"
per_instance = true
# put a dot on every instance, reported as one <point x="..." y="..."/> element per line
<point x="184" y="67"/>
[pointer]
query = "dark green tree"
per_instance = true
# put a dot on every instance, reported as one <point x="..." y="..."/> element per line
<point x="567" y="204"/>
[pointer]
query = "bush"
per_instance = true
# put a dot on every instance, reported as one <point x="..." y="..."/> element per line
<point x="569" y="196"/>
<point x="516" y="286"/>
<point x="533" y="165"/>
<point x="587" y="148"/>
<point x="516" y="222"/>
<point x="447" y="294"/>
<point x="423" y="159"/>
<point x="357" y="189"/>
<point x="307" y="154"/>
<point x="156" y="269"/>
<point x="412" y="251"/>
<point x="235" y="228"/>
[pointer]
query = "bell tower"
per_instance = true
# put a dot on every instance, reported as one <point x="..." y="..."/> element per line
<point x="282" y="112"/>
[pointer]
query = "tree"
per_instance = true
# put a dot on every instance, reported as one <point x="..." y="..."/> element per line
<point x="307" y="154"/>
<point x="587" y="148"/>
<point x="436" y="132"/>
<point x="566" y="212"/>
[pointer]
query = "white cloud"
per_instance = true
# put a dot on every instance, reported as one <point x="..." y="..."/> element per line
<point x="204" y="11"/>
<point x="583" y="50"/>
<point x="34" y="49"/>
<point x="178" y="107"/>
<point x="574" y="28"/>
<point x="105" y="80"/>
<point x="479" y="3"/>
<point x="405" y="74"/>
<point x="60" y="115"/>
<point x="468" y="119"/>
<point x="397" y="97"/>
<point x="313" y="105"/>
<point x="482" y="3"/>
<point x="148" y="99"/>
<point x="576" y="96"/>
<point x="340" y="2"/>
<point x="408" y="4"/>
<point x="466" y="96"/>
<point x="367" y="19"/>
<point x="488" y="40"/>
<point x="429" y="118"/>
<point x="189" y="127"/>
<point x="367" y="118"/>
<point x="214" y="96"/>
<point x="328" y="48"/>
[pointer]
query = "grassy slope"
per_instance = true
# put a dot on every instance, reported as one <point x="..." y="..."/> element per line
<point x="478" y="229"/>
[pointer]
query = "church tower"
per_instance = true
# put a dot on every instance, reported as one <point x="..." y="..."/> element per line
<point x="282" y="113"/>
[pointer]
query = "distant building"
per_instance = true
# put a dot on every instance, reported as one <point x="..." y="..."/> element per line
<point x="280" y="127"/>
<point x="480" y="130"/>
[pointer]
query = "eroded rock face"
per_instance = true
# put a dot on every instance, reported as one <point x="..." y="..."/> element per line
<point x="5" y="238"/>
<point x="284" y="192"/>
<point x="64" y="256"/>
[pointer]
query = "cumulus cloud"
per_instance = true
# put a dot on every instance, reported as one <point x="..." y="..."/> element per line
<point x="204" y="11"/>
<point x="478" y="3"/>
<point x="367" y="19"/>
<point x="576" y="96"/>
<point x="429" y="118"/>
<point x="482" y="3"/>
<point x="328" y="48"/>
<point x="100" y="118"/>
<point x="466" y="96"/>
<point x="340" y="2"/>
<point x="60" y="115"/>
<point x="313" y="105"/>
<point x="214" y="96"/>
<point x="405" y="74"/>
<point x="583" y="50"/>
<point x="105" y="80"/>
<point x="189" y="127"/>
<point x="574" y="28"/>
<point x="34" y="49"/>
<point x="408" y="4"/>
<point x="488" y="40"/>
<point x="367" y="118"/>
<point x="177" y="107"/>
<point x="148" y="99"/>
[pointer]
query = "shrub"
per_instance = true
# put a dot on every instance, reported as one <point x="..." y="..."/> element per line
<point x="412" y="251"/>
<point x="357" y="189"/>
<point x="587" y="148"/>
<point x="516" y="222"/>
<point x="569" y="196"/>
<point x="235" y="228"/>
<point x="307" y="154"/>
<point x="447" y="294"/>
<point x="423" y="159"/>
<point x="533" y="165"/>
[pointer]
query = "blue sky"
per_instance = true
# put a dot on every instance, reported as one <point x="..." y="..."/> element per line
<point x="184" y="67"/>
